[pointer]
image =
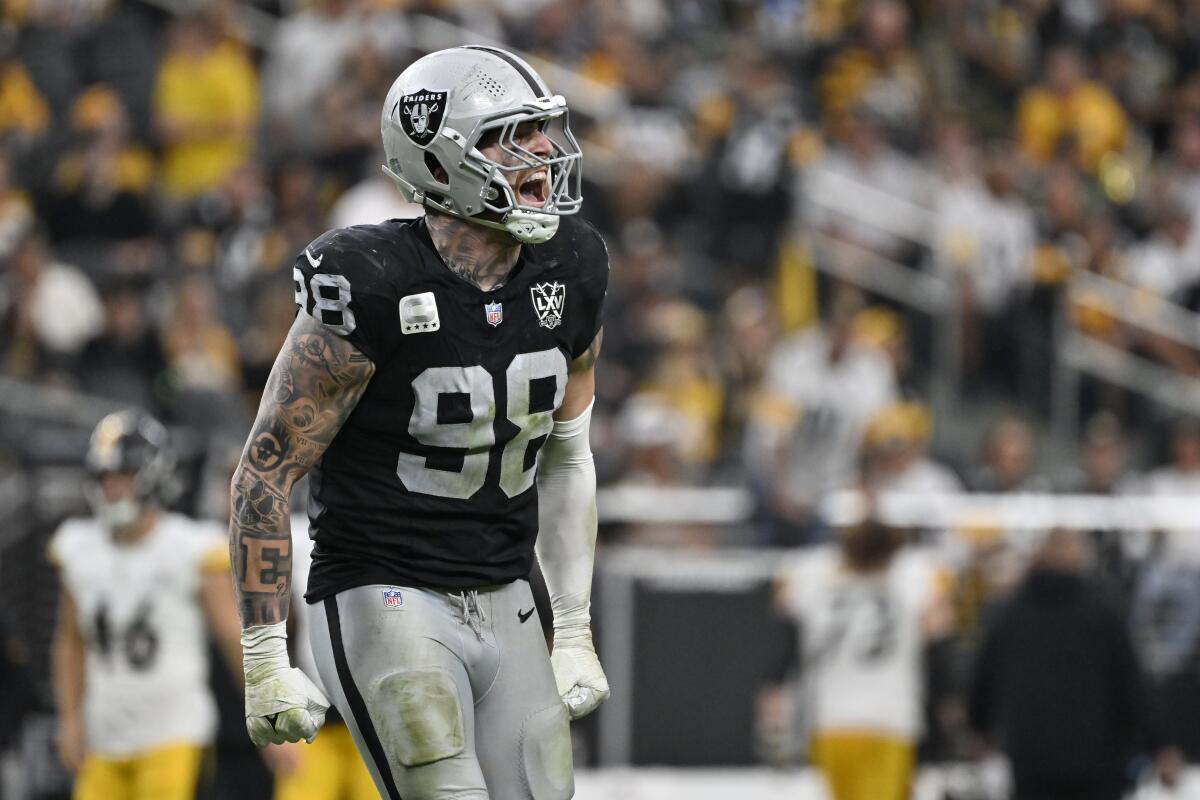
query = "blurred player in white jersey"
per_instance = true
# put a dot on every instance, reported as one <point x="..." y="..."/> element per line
<point x="866" y="609"/>
<point x="130" y="648"/>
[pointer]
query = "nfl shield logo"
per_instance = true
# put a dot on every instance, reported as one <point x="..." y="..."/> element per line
<point x="548" y="300"/>
<point x="392" y="598"/>
<point x="494" y="313"/>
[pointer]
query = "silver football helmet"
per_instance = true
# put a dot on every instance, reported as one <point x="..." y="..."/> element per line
<point x="439" y="111"/>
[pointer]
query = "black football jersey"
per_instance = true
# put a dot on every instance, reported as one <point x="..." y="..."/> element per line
<point x="430" y="481"/>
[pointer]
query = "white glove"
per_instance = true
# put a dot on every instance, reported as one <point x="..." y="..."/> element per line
<point x="577" y="672"/>
<point x="282" y="704"/>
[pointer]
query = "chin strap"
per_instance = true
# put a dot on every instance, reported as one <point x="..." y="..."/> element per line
<point x="527" y="227"/>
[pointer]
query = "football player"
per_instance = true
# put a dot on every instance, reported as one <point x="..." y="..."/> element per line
<point x="436" y="386"/>
<point x="865" y="610"/>
<point x="130" y="650"/>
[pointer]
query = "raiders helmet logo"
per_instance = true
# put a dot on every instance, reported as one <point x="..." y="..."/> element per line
<point x="548" y="300"/>
<point x="421" y="115"/>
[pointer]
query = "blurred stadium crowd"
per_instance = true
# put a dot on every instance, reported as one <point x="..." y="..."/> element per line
<point x="755" y="167"/>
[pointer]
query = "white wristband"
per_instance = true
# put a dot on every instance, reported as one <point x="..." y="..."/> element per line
<point x="262" y="644"/>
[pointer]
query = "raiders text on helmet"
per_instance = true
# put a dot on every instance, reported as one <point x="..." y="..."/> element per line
<point x="440" y="108"/>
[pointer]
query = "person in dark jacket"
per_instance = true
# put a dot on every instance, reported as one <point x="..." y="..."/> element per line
<point x="1058" y="688"/>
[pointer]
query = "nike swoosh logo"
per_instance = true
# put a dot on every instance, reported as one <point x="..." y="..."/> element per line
<point x="524" y="615"/>
<point x="316" y="262"/>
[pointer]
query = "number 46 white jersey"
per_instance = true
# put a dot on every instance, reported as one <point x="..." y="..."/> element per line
<point x="138" y="605"/>
<point x="862" y="639"/>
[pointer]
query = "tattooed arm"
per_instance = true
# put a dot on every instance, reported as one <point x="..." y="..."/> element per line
<point x="317" y="380"/>
<point x="314" y="385"/>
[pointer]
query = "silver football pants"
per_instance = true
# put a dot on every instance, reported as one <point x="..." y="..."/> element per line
<point x="449" y="695"/>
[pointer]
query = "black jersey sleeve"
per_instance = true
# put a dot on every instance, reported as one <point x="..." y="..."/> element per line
<point x="593" y="283"/>
<point x="341" y="282"/>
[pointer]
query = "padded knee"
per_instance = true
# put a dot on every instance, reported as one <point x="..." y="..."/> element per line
<point x="417" y="715"/>
<point x="546" y="754"/>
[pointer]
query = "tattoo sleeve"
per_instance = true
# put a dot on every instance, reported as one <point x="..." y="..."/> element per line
<point x="314" y="385"/>
<point x="587" y="359"/>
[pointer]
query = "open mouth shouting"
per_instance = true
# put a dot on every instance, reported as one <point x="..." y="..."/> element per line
<point x="534" y="189"/>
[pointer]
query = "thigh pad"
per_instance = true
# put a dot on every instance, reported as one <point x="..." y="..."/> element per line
<point x="546" y="754"/>
<point x="417" y="715"/>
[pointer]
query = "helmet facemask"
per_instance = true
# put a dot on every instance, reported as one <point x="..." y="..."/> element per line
<point x="501" y="196"/>
<point x="478" y="189"/>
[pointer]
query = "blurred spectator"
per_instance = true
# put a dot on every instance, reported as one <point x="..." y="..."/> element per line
<point x="16" y="210"/>
<point x="1068" y="112"/>
<point x="862" y="190"/>
<point x="1064" y="211"/>
<point x="1103" y="470"/>
<point x="1168" y="262"/>
<point x="895" y="453"/>
<point x="242" y="214"/>
<point x="299" y="215"/>
<point x="821" y="391"/>
<point x="1180" y="478"/>
<point x="1182" y="164"/>
<point x="371" y="200"/>
<point x="881" y="74"/>
<point x="753" y="129"/>
<point x="651" y="435"/>
<point x="273" y="316"/>
<point x="307" y="56"/>
<point x="1132" y="46"/>
<point x="125" y="362"/>
<point x="650" y="431"/>
<point x="1063" y="208"/>
<point x="998" y="47"/>
<point x="201" y="352"/>
<point x="24" y="115"/>
<point x="1058" y="688"/>
<point x="885" y="330"/>
<point x="644" y="147"/>
<point x="984" y="237"/>
<point x="52" y="310"/>
<point x="347" y="120"/>
<point x="685" y="376"/>
<point x="743" y="349"/>
<point x="206" y="107"/>
<point x="895" y="460"/>
<point x="1008" y="464"/>
<point x="100" y="184"/>
<point x="986" y="566"/>
<point x="1166" y="627"/>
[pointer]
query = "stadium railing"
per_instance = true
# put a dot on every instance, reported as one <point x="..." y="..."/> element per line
<point x="934" y="294"/>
